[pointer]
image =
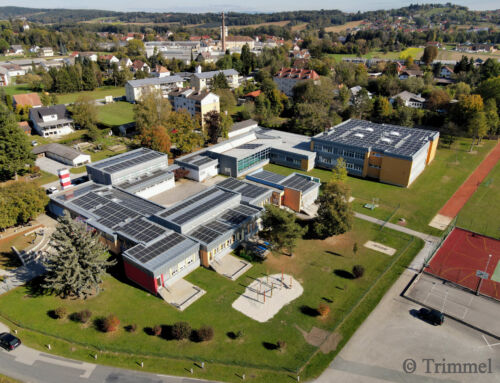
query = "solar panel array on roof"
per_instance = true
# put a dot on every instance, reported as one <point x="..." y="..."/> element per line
<point x="142" y="230"/>
<point x="145" y="254"/>
<point x="119" y="158"/>
<point x="133" y="202"/>
<point x="230" y="183"/>
<point x="187" y="216"/>
<point x="245" y="189"/>
<point x="188" y="202"/>
<point x="297" y="182"/>
<point x="112" y="214"/>
<point x="384" y="137"/>
<point x="268" y="176"/>
<point x="248" y="146"/>
<point x="132" y="162"/>
<point x="238" y="214"/>
<point x="89" y="201"/>
<point x="205" y="234"/>
<point x="76" y="192"/>
<point x="218" y="226"/>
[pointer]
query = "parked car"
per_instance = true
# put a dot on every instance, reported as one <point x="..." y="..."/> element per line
<point x="51" y="190"/>
<point x="9" y="341"/>
<point x="79" y="180"/>
<point x="432" y="316"/>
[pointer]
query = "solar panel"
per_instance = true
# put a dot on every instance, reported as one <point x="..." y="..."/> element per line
<point x="218" y="226"/>
<point x="146" y="253"/>
<point x="268" y="176"/>
<point x="205" y="234"/>
<point x="112" y="214"/>
<point x="73" y="193"/>
<point x="89" y="201"/>
<point x="127" y="163"/>
<point x="231" y="183"/>
<point x="202" y="160"/>
<point x="297" y="182"/>
<point x="188" y="202"/>
<point x="238" y="214"/>
<point x="134" y="203"/>
<point x="248" y="146"/>
<point x="252" y="191"/>
<point x="142" y="230"/>
<point x="183" y="218"/>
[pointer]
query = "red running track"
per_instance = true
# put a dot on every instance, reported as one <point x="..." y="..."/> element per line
<point x="461" y="255"/>
<point x="465" y="191"/>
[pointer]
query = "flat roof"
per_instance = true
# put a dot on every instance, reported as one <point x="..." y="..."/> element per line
<point x="126" y="160"/>
<point x="391" y="139"/>
<point x="295" y="181"/>
<point x="197" y="161"/>
<point x="145" y="180"/>
<point x="60" y="150"/>
<point x="248" y="191"/>
<point x="243" y="125"/>
<point x="210" y="74"/>
<point x="155" y="81"/>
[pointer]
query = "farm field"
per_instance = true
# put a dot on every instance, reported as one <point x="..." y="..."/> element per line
<point x="343" y="27"/>
<point x="420" y="202"/>
<point x="321" y="266"/>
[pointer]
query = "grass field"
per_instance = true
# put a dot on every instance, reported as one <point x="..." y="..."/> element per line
<point x="277" y="23"/>
<point x="116" y="114"/>
<point x="428" y="193"/>
<point x="8" y="259"/>
<point x="99" y="93"/>
<point x="480" y="214"/>
<point x="414" y="52"/>
<point x="322" y="267"/>
<point x="16" y="89"/>
<point x="450" y="54"/>
<point x="343" y="27"/>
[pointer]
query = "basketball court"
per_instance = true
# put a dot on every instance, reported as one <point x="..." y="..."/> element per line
<point x="463" y="257"/>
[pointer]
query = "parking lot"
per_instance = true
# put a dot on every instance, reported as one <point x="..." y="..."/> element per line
<point x="393" y="337"/>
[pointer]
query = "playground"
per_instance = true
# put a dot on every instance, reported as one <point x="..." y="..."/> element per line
<point x="465" y="256"/>
<point x="265" y="296"/>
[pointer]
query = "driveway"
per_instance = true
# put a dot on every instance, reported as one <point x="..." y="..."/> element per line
<point x="392" y="335"/>
<point x="49" y="165"/>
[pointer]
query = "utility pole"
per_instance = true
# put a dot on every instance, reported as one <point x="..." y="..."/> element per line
<point x="223" y="34"/>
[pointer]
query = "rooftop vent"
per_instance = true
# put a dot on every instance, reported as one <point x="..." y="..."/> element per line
<point x="393" y="133"/>
<point x="385" y="139"/>
<point x="359" y="135"/>
<point x="369" y="129"/>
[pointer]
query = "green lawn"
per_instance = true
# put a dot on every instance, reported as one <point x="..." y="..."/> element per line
<point x="480" y="214"/>
<point x="99" y="93"/>
<point x="16" y="89"/>
<point x="414" y="52"/>
<point x="422" y="200"/>
<point x="318" y="265"/>
<point x="116" y="114"/>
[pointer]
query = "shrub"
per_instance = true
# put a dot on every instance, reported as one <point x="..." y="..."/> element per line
<point x="83" y="316"/>
<point x="240" y="334"/>
<point x="60" y="312"/>
<point x="131" y="327"/>
<point x="157" y="330"/>
<point x="110" y="323"/>
<point x="323" y="310"/>
<point x="181" y="330"/>
<point x="358" y="271"/>
<point x="204" y="333"/>
<point x="281" y="345"/>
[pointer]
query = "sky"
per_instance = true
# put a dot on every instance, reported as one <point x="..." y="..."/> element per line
<point x="199" y="6"/>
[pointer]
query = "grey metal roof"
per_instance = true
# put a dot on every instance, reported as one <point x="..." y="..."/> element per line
<point x="210" y="74"/>
<point x="59" y="150"/>
<point x="295" y="181"/>
<point x="145" y="180"/>
<point x="243" y="124"/>
<point x="197" y="161"/>
<point x="300" y="182"/>
<point x="390" y="139"/>
<point x="36" y="114"/>
<point x="248" y="191"/>
<point x="267" y="176"/>
<point x="154" y="81"/>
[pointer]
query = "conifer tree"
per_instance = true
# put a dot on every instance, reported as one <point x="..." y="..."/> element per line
<point x="77" y="264"/>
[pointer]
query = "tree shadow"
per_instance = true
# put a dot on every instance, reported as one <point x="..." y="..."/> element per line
<point x="99" y="324"/>
<point x="334" y="253"/>
<point x="148" y="331"/>
<point x="270" y="346"/>
<point x="310" y="311"/>
<point x="231" y="335"/>
<point x="166" y="332"/>
<point x="343" y="274"/>
<point x="327" y="300"/>
<point x="35" y="288"/>
<point x="52" y="314"/>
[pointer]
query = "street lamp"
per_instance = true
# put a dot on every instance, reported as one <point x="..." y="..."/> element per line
<point x="481" y="278"/>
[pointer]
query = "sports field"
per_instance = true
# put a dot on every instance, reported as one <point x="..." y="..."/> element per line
<point x="462" y="254"/>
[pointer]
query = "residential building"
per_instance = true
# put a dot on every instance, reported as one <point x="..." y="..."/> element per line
<point x="45" y="52"/>
<point x="390" y="153"/>
<point x="27" y="99"/>
<point x="160" y="71"/>
<point x="62" y="153"/>
<point x="4" y="77"/>
<point x="109" y="59"/>
<point x="236" y="43"/>
<point x="408" y="73"/>
<point x="135" y="89"/>
<point x="287" y="78"/>
<point x="203" y="80"/>
<point x="409" y="99"/>
<point x="15" y="50"/>
<point x="446" y="72"/>
<point x="13" y="70"/>
<point x="124" y="63"/>
<point x="51" y="120"/>
<point x="138" y="65"/>
<point x="197" y="103"/>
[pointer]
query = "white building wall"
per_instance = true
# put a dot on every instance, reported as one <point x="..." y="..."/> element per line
<point x="156" y="189"/>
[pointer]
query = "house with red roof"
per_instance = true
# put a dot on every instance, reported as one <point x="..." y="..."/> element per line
<point x="287" y="78"/>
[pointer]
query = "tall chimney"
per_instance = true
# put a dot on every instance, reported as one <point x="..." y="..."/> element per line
<point x="223" y="33"/>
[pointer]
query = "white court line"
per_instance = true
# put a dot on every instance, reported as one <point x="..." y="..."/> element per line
<point x="465" y="313"/>
<point x="487" y="343"/>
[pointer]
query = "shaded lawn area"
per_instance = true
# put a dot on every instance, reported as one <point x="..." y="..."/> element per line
<point x="8" y="259"/>
<point x="423" y="199"/>
<point x="99" y="93"/>
<point x="480" y="214"/>
<point x="320" y="266"/>
<point x="16" y="89"/>
<point x="116" y="114"/>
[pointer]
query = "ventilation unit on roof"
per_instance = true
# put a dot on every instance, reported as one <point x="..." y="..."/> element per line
<point x="369" y="129"/>
<point x="393" y="133"/>
<point x="385" y="139"/>
<point x="359" y="135"/>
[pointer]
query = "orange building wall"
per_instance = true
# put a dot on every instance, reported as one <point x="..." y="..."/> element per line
<point x="395" y="171"/>
<point x="432" y="151"/>
<point x="204" y="258"/>
<point x="292" y="199"/>
<point x="276" y="198"/>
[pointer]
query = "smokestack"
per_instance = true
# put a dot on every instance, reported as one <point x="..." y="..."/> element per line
<point x="223" y="33"/>
<point x="64" y="178"/>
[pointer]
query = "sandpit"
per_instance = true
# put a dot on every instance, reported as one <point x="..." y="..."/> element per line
<point x="265" y="297"/>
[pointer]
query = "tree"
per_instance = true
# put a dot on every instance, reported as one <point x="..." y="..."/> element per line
<point x="156" y="138"/>
<point x="76" y="266"/>
<point x="45" y="99"/>
<point x="153" y="110"/>
<point x="53" y="99"/>
<point x="248" y="60"/>
<point x="335" y="215"/>
<point x="358" y="271"/>
<point x="226" y="99"/>
<point x="21" y="202"/>
<point x="491" y="113"/>
<point x="490" y="89"/>
<point x="438" y="99"/>
<point x="430" y="54"/>
<point x="85" y="112"/>
<point x="135" y="48"/>
<point x="355" y="248"/>
<point x="219" y="82"/>
<point x="280" y="228"/>
<point x="15" y="148"/>
<point x="181" y="330"/>
<point x="339" y="171"/>
<point x="184" y="131"/>
<point x="217" y="125"/>
<point x="382" y="109"/>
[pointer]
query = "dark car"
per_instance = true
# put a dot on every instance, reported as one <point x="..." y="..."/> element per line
<point x="9" y="341"/>
<point x="431" y="315"/>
